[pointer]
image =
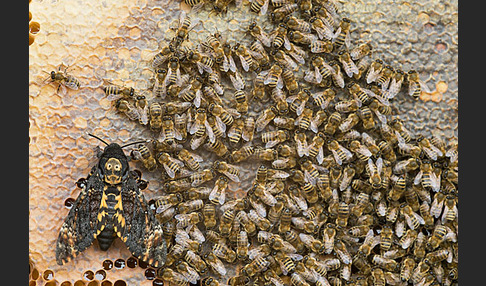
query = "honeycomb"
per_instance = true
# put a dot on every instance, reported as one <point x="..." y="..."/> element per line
<point x="114" y="39"/>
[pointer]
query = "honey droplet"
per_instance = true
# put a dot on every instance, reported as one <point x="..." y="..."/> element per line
<point x="120" y="283"/>
<point x="88" y="275"/>
<point x="119" y="264"/>
<point x="150" y="274"/>
<point x="48" y="275"/>
<point x="100" y="275"/>
<point x="132" y="262"/>
<point x="157" y="282"/>
<point x="107" y="264"/>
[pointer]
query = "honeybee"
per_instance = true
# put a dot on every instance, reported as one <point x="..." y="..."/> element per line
<point x="257" y="32"/>
<point x="216" y="265"/>
<point x="322" y="27"/>
<point x="395" y="84"/>
<point x="143" y="154"/>
<point x="348" y="123"/>
<point x="236" y="131"/>
<point x="190" y="159"/>
<point x="406" y="269"/>
<point x="429" y="149"/>
<point x="385" y="263"/>
<point x="349" y="66"/>
<point x="284" y="60"/>
<point x="378" y="277"/>
<point x="241" y="101"/>
<point x="173" y="72"/>
<point x="342" y="252"/>
<point x="427" y="177"/>
<point x="161" y="57"/>
<point x="171" y="165"/>
<point x="172" y="276"/>
<point x="240" y="280"/>
<point x="268" y="154"/>
<point x="450" y="209"/>
<point x="261" y="222"/>
<point x="303" y="121"/>
<point x="286" y="263"/>
<point x="273" y="77"/>
<point x="255" y="266"/>
<point x="229" y="170"/>
<point x="244" y="55"/>
<point x="184" y="220"/>
<point x="218" y="193"/>
<point x="182" y="33"/>
<point x="201" y="177"/>
<point x="242" y="245"/>
<point x="398" y="188"/>
<point x="323" y="98"/>
<point x="272" y="138"/>
<point x="318" y="119"/>
<point x="385" y="76"/>
<point x="412" y="219"/>
<point x="343" y="214"/>
<point x="209" y="215"/>
<point x="315" y="149"/>
<point x="436" y="256"/>
<point x="374" y="71"/>
<point x="321" y="70"/>
<point x="187" y="271"/>
<point x="265" y="118"/>
<point x="221" y="250"/>
<point x="301" y="38"/>
<point x="339" y="152"/>
<point x="406" y="166"/>
<point x="281" y="12"/>
<point x="168" y="134"/>
<point x="165" y="202"/>
<point x="332" y="123"/>
<point x="415" y="85"/>
<point x="408" y="238"/>
<point x="127" y="108"/>
<point x="341" y="35"/>
<point x="63" y="79"/>
<point x="242" y="154"/>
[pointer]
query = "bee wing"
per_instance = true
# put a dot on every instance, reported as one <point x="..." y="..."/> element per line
<point x="436" y="207"/>
<point x="320" y="155"/>
<point x="210" y="132"/>
<point x="232" y="65"/>
<point x="196" y="142"/>
<point x="347" y="40"/>
<point x="302" y="148"/>
<point x="169" y="171"/>
<point x="317" y="74"/>
<point x="336" y="34"/>
<point x="379" y="165"/>
<point x="424" y="86"/>
<point x="270" y="144"/>
<point x="143" y="115"/>
<point x="222" y="197"/>
<point x="286" y="44"/>
<point x="264" y="8"/>
<point x="226" y="64"/>
<point x="232" y="177"/>
<point x="336" y="157"/>
<point x="218" y="266"/>
<point x="244" y="63"/>
<point x="237" y="81"/>
<point x="300" y="59"/>
<point x="435" y="182"/>
<point x="214" y="192"/>
<point x="63" y="88"/>
<point x="373" y="74"/>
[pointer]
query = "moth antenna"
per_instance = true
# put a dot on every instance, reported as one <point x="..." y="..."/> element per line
<point x="92" y="135"/>
<point x="137" y="142"/>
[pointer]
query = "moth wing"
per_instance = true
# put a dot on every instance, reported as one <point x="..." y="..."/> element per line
<point x="78" y="230"/>
<point x="138" y="228"/>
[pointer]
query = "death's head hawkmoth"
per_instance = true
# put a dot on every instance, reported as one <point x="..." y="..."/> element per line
<point x="111" y="205"/>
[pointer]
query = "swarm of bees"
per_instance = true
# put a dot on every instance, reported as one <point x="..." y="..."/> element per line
<point x="344" y="193"/>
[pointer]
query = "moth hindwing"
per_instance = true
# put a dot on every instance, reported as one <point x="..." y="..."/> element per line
<point x="111" y="205"/>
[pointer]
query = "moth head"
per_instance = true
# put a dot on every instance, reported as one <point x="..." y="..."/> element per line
<point x="114" y="164"/>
